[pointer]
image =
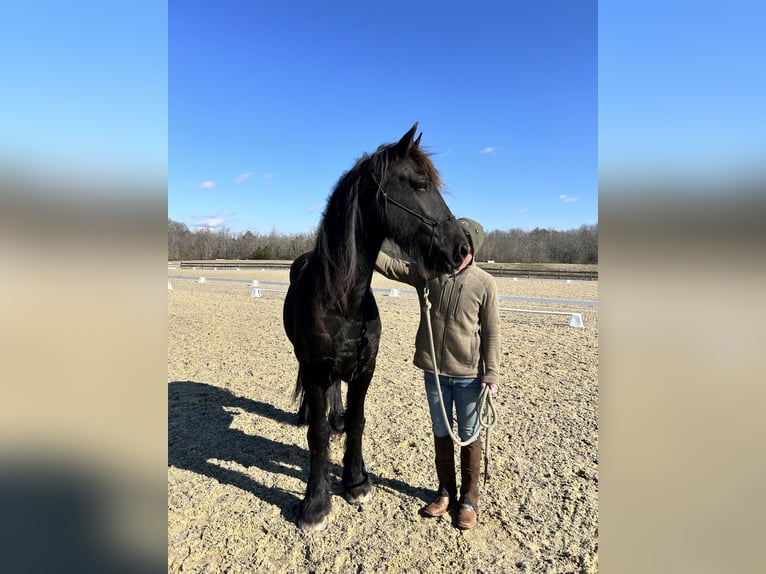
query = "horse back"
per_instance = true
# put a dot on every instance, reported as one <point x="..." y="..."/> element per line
<point x="294" y="296"/>
<point x="298" y="266"/>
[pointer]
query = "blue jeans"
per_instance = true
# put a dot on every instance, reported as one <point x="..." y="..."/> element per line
<point x="463" y="394"/>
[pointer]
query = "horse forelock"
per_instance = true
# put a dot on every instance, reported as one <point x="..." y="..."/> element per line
<point x="423" y="159"/>
<point x="381" y="162"/>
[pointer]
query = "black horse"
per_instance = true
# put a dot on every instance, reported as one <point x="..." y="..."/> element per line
<point x="330" y="314"/>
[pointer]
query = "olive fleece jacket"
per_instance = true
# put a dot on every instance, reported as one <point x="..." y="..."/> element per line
<point x="464" y="318"/>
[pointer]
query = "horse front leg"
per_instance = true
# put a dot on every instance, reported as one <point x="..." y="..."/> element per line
<point x="357" y="486"/>
<point x="316" y="504"/>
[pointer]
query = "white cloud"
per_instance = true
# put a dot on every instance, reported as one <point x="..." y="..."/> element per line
<point x="242" y="178"/>
<point x="567" y="198"/>
<point x="489" y="150"/>
<point x="523" y="210"/>
<point x="212" y="222"/>
<point x="209" y="184"/>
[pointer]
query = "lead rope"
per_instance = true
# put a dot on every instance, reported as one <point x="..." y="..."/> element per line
<point x="487" y="412"/>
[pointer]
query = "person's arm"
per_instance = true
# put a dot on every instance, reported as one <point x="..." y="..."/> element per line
<point x="490" y="337"/>
<point x="398" y="269"/>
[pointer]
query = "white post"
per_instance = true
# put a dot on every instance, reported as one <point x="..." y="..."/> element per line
<point x="576" y="320"/>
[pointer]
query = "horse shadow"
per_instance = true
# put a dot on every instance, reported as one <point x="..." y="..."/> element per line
<point x="199" y="430"/>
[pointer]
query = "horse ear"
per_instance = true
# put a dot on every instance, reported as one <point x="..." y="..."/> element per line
<point x="406" y="142"/>
<point x="417" y="141"/>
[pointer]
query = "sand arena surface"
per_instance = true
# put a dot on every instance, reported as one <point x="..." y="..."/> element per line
<point x="237" y="464"/>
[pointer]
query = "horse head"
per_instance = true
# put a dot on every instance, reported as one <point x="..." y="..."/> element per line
<point x="414" y="213"/>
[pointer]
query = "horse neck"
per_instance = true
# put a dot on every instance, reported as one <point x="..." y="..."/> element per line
<point x="349" y="260"/>
<point x="362" y="279"/>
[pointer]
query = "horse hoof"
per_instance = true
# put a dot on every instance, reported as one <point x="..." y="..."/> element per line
<point x="314" y="527"/>
<point x="359" y="498"/>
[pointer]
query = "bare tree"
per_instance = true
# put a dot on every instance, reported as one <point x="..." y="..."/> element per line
<point x="508" y="246"/>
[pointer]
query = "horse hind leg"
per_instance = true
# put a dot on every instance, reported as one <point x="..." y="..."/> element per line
<point x="303" y="411"/>
<point x="336" y="414"/>
<point x="357" y="485"/>
<point x="300" y="394"/>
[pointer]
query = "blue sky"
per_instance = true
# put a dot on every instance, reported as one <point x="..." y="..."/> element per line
<point x="681" y="89"/>
<point x="285" y="96"/>
<point x="84" y="89"/>
<point x="270" y="102"/>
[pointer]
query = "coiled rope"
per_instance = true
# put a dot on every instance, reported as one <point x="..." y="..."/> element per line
<point x="486" y="405"/>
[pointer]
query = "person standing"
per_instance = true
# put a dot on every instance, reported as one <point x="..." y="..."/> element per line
<point x="466" y="335"/>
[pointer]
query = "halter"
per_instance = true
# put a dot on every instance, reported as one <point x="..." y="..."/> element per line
<point x="427" y="220"/>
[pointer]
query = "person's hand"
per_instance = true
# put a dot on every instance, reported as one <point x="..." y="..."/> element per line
<point x="493" y="388"/>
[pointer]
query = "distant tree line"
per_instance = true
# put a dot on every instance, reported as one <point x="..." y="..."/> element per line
<point x="542" y="246"/>
<point x="511" y="246"/>
<point x="223" y="244"/>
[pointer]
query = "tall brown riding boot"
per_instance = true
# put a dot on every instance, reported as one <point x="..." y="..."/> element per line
<point x="445" y="471"/>
<point x="470" y="469"/>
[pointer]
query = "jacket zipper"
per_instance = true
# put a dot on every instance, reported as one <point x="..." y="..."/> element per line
<point x="457" y="301"/>
<point x="446" y="317"/>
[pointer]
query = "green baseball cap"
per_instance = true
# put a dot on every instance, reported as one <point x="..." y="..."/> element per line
<point x="474" y="231"/>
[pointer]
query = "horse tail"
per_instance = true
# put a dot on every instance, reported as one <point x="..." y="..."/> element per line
<point x="299" y="394"/>
<point x="335" y="412"/>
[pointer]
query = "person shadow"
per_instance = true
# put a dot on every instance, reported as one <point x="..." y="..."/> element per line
<point x="199" y="430"/>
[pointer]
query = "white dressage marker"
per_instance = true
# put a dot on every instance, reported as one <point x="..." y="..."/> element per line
<point x="576" y="320"/>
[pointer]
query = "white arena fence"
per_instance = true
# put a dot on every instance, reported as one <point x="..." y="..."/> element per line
<point x="258" y="289"/>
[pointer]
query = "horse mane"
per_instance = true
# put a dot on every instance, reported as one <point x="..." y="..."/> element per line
<point x="423" y="159"/>
<point x="336" y="252"/>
